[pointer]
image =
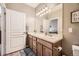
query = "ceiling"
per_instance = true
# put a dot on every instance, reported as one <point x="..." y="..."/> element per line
<point x="34" y="5"/>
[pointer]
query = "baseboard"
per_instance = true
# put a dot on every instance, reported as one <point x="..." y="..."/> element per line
<point x="13" y="52"/>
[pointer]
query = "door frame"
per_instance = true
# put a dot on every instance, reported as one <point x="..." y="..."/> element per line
<point x="3" y="29"/>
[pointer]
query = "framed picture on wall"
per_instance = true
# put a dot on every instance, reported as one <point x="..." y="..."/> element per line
<point x="75" y="17"/>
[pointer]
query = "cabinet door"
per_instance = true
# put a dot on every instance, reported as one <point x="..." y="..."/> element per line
<point x="34" y="50"/>
<point x="34" y="46"/>
<point x="39" y="49"/>
<point x="47" y="51"/>
<point x="56" y="52"/>
<point x="34" y="43"/>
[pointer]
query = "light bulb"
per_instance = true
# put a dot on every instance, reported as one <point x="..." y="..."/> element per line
<point x="46" y="8"/>
<point x="43" y="9"/>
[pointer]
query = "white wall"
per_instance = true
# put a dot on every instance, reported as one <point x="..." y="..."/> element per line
<point x="30" y="23"/>
<point x="0" y="17"/>
<point x="30" y="13"/>
<point x="38" y="23"/>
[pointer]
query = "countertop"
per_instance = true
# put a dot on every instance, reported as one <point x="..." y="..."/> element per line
<point x="53" y="39"/>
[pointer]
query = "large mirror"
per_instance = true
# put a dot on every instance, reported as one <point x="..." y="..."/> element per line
<point x="53" y="26"/>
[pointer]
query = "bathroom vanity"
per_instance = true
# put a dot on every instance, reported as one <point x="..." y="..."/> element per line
<point x="43" y="45"/>
<point x="46" y="37"/>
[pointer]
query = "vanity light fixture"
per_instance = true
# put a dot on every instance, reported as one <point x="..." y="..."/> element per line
<point x="43" y="11"/>
<point x="46" y="8"/>
<point x="40" y="15"/>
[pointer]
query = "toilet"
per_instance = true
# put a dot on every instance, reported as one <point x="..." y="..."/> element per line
<point x="75" y="49"/>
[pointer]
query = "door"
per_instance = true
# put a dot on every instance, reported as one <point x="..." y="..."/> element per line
<point x="15" y="30"/>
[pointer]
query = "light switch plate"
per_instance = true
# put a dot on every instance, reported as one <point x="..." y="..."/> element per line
<point x="70" y="30"/>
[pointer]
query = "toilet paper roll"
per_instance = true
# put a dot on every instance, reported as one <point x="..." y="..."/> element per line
<point x="59" y="49"/>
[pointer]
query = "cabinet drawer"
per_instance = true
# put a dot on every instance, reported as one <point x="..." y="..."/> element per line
<point x="45" y="43"/>
<point x="34" y="49"/>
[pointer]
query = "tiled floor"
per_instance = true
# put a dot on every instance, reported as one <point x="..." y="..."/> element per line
<point x="18" y="53"/>
<point x="29" y="52"/>
<point x="24" y="52"/>
<point x="14" y="54"/>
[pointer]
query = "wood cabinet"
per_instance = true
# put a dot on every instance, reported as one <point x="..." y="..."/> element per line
<point x="30" y="42"/>
<point x="47" y="51"/>
<point x="44" y="48"/>
<point x="39" y="49"/>
<point x="34" y="45"/>
<point x="45" y="43"/>
<point x="56" y="52"/>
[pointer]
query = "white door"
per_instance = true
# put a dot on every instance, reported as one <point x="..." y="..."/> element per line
<point x="15" y="30"/>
